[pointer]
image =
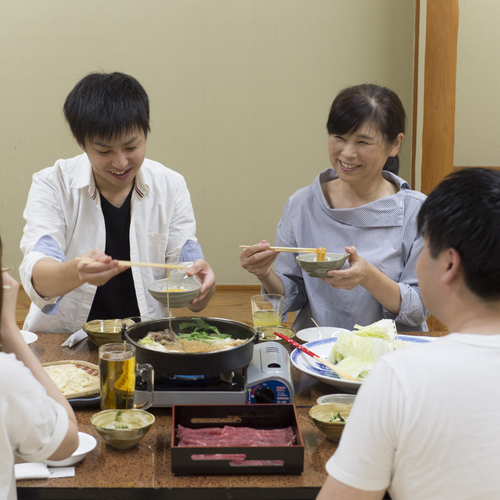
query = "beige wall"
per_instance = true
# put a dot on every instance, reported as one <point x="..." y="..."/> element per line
<point x="477" y="120"/>
<point x="240" y="92"/>
<point x="477" y="106"/>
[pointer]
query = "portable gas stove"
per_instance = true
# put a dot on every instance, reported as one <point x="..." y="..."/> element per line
<point x="266" y="379"/>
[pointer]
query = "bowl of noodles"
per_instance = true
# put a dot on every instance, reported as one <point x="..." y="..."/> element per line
<point x="178" y="289"/>
<point x="318" y="268"/>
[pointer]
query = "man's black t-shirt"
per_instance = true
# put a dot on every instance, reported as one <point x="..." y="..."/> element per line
<point x="116" y="298"/>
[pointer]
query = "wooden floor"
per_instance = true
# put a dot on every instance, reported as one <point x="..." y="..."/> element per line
<point x="229" y="302"/>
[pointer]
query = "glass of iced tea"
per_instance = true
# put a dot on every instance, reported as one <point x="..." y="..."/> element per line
<point x="117" y="373"/>
<point x="267" y="309"/>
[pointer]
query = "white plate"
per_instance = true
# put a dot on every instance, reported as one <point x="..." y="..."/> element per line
<point x="87" y="444"/>
<point x="310" y="366"/>
<point x="312" y="334"/>
<point x="29" y="337"/>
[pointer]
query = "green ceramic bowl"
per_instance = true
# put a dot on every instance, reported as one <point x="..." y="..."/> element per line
<point x="322" y="414"/>
<point x="122" y="429"/>
<point x="318" y="269"/>
<point x="266" y="333"/>
<point x="103" y="331"/>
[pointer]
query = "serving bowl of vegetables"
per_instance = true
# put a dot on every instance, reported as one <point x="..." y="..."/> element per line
<point x="330" y="418"/>
<point x="354" y="352"/>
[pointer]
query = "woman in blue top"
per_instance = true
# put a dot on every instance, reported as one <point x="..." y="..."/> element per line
<point x="359" y="206"/>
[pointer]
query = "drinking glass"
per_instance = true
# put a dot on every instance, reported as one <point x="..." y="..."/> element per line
<point x="117" y="373"/>
<point x="267" y="309"/>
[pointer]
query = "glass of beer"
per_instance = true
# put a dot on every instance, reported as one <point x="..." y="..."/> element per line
<point x="267" y="309"/>
<point x="117" y="373"/>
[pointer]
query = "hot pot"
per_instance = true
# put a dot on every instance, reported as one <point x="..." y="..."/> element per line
<point x="204" y="363"/>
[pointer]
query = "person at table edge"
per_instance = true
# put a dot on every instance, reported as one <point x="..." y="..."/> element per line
<point x="109" y="203"/>
<point x="36" y="420"/>
<point x="360" y="206"/>
<point x="424" y="424"/>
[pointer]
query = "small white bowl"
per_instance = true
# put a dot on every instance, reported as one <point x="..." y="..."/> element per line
<point x="313" y="333"/>
<point x="336" y="398"/>
<point x="29" y="337"/>
<point x="87" y="444"/>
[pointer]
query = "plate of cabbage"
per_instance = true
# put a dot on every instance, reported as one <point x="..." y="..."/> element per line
<point x="354" y="352"/>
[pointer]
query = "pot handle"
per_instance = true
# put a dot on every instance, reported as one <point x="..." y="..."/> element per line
<point x="147" y="369"/>
<point x="258" y="334"/>
<point x="123" y="331"/>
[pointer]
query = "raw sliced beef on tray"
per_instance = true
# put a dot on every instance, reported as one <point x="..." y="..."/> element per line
<point x="235" y="436"/>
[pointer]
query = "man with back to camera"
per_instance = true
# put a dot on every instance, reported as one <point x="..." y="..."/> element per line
<point x="109" y="203"/>
<point x="425" y="422"/>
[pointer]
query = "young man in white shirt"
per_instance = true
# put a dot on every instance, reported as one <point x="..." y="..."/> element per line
<point x="425" y="422"/>
<point x="110" y="203"/>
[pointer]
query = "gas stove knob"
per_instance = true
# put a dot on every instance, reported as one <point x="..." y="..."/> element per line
<point x="264" y="395"/>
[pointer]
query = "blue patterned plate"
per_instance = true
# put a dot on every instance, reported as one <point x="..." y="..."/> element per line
<point x="322" y="348"/>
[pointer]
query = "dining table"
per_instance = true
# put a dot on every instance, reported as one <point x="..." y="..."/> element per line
<point x="145" y="470"/>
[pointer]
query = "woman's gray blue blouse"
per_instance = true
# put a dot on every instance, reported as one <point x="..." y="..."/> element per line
<point x="384" y="233"/>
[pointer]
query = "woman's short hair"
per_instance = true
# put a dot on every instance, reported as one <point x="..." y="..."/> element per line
<point x="106" y="105"/>
<point x="368" y="103"/>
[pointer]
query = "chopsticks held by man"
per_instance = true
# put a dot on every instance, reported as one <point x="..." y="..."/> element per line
<point x="110" y="203"/>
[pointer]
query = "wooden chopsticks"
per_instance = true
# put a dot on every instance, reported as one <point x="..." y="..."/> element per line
<point x="137" y="264"/>
<point x="319" y="328"/>
<point x="289" y="249"/>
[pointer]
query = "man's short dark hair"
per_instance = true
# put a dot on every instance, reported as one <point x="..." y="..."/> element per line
<point x="106" y="105"/>
<point x="463" y="212"/>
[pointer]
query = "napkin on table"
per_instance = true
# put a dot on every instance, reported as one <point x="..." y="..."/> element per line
<point x="38" y="470"/>
<point x="31" y="470"/>
<point x="74" y="338"/>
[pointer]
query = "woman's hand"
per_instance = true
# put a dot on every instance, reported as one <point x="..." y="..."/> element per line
<point x="361" y="272"/>
<point x="100" y="272"/>
<point x="350" y="278"/>
<point x="258" y="259"/>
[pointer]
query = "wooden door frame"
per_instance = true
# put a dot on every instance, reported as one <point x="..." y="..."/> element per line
<point x="440" y="70"/>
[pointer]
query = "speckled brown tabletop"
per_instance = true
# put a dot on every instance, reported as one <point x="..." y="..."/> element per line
<point x="144" y="471"/>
